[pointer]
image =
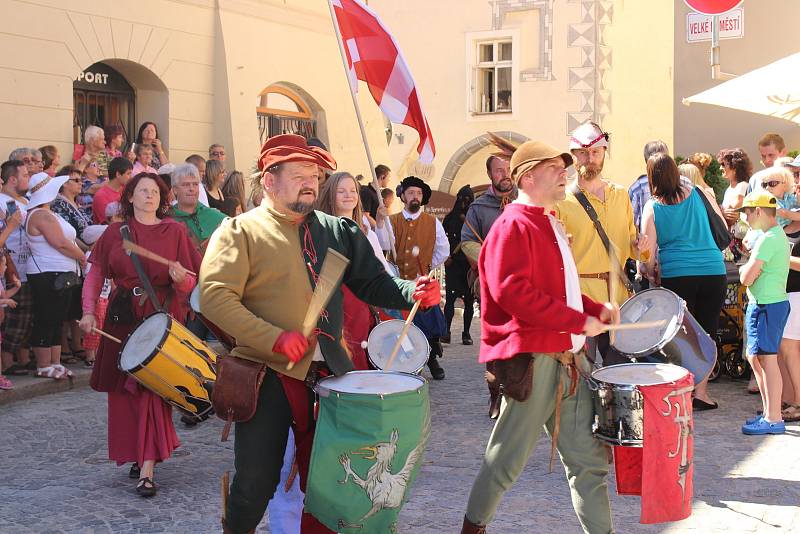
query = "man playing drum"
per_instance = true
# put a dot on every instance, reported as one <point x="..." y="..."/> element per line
<point x="533" y="324"/>
<point x="256" y="284"/>
<point x="413" y="228"/>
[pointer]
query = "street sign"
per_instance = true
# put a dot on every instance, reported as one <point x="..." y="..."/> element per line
<point x="712" y="7"/>
<point x="699" y="26"/>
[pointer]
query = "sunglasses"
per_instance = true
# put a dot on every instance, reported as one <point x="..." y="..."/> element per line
<point x="75" y="180"/>
<point x="771" y="183"/>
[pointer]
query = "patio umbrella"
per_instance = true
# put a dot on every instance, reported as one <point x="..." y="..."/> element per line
<point x="772" y="90"/>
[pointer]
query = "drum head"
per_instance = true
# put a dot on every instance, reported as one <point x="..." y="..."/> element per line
<point x="640" y="374"/>
<point x="649" y="305"/>
<point x="370" y="383"/>
<point x="143" y="341"/>
<point x="413" y="353"/>
<point x="194" y="299"/>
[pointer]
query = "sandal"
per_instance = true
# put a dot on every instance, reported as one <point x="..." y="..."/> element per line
<point x="5" y="383"/>
<point x="146" y="487"/>
<point x="64" y="371"/>
<point x="791" y="414"/>
<point x="68" y="357"/>
<point x="51" y="371"/>
<point x="16" y="370"/>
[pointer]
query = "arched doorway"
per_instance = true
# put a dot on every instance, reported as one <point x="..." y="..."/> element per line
<point x="284" y="108"/>
<point x="123" y="92"/>
<point x="102" y="96"/>
<point x="467" y="162"/>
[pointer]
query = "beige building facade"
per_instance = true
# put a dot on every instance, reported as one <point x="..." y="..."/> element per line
<point x="236" y="71"/>
<point x="205" y="71"/>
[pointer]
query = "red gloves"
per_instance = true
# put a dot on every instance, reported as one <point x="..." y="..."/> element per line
<point x="428" y="292"/>
<point x="291" y="344"/>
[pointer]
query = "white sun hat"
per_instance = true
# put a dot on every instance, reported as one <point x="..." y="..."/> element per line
<point x="44" y="190"/>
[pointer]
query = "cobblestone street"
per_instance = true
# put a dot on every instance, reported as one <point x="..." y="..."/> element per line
<point x="57" y="478"/>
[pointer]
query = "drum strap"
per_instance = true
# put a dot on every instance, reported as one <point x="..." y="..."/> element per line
<point x="590" y="211"/>
<point x="137" y="264"/>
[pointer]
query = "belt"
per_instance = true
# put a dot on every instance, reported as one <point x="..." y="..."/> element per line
<point x="597" y="276"/>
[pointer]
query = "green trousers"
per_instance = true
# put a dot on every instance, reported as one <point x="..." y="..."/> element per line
<point x="516" y="432"/>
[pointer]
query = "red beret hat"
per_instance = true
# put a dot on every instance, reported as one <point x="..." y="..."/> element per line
<point x="290" y="147"/>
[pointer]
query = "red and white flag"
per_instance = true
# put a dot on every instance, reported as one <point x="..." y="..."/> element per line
<point x="374" y="57"/>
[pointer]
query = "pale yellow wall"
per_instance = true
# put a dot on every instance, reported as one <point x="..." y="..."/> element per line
<point x="640" y="84"/>
<point x="770" y="33"/>
<point x="293" y="43"/>
<point x="197" y="67"/>
<point x="433" y="38"/>
<point x="52" y="41"/>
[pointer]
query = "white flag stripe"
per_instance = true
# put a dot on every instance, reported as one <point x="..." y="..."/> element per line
<point x="395" y="109"/>
<point x="400" y="83"/>
<point x="352" y="47"/>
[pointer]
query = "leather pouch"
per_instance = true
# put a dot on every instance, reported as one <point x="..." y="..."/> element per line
<point x="514" y="376"/>
<point x="120" y="309"/>
<point x="235" y="394"/>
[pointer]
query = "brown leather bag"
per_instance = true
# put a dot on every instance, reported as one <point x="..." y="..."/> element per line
<point x="235" y="394"/>
<point x="514" y="376"/>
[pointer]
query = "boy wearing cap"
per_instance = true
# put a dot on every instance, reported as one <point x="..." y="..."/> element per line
<point x="765" y="276"/>
<point x="533" y="325"/>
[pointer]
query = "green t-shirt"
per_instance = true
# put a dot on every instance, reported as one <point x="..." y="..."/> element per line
<point x="773" y="250"/>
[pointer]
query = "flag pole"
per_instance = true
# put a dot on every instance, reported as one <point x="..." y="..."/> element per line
<point x="375" y="184"/>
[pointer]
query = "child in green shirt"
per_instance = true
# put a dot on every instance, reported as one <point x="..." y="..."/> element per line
<point x="768" y="309"/>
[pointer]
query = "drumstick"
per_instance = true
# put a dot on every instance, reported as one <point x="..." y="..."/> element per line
<point x="402" y="336"/>
<point x="409" y="319"/>
<point x="329" y="277"/>
<point x="130" y="246"/>
<point x="634" y="326"/>
<point x="104" y="334"/>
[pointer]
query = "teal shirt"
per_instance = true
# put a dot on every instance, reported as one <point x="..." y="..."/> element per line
<point x="773" y="250"/>
<point x="685" y="244"/>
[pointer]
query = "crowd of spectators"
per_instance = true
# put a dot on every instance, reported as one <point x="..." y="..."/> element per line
<point x="53" y="211"/>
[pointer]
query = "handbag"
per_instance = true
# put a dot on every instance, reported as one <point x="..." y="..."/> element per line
<point x="120" y="308"/>
<point x="719" y="230"/>
<point x="67" y="280"/>
<point x="235" y="393"/>
<point x="513" y="376"/>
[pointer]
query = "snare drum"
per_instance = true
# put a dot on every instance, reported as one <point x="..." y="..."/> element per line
<point x="368" y="445"/>
<point x="166" y="358"/>
<point x="194" y="301"/>
<point x="681" y="341"/>
<point x="619" y="403"/>
<point x="412" y="355"/>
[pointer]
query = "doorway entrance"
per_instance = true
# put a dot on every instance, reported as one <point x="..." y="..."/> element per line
<point x="102" y="96"/>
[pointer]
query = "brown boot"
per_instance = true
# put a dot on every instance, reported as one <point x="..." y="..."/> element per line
<point x="472" y="528"/>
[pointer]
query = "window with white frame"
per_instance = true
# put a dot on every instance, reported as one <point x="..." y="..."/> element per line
<point x="492" y="76"/>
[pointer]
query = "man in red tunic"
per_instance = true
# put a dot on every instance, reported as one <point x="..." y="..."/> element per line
<point x="533" y="326"/>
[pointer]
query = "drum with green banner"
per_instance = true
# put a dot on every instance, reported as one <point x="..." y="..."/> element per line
<point x="368" y="444"/>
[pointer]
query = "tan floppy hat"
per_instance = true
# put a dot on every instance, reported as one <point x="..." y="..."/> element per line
<point x="531" y="153"/>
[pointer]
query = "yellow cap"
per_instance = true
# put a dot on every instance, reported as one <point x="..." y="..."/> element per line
<point x="760" y="199"/>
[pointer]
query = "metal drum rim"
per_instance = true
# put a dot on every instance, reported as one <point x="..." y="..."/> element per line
<point x="664" y="339"/>
<point x="325" y="391"/>
<point x="638" y="364"/>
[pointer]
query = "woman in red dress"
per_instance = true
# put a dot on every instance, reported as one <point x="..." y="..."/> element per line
<point x="140" y="429"/>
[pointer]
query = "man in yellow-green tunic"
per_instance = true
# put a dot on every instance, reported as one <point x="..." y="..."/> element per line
<point x="256" y="282"/>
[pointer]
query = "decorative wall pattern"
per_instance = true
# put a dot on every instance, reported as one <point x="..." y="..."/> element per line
<point x="587" y="78"/>
<point x="545" y="7"/>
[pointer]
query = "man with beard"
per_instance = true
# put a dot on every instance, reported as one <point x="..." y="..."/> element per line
<point x="480" y="217"/>
<point x="415" y="228"/>
<point x="588" y="144"/>
<point x="256" y="282"/>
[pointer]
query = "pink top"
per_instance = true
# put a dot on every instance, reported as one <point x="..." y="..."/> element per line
<point x="138" y="167"/>
<point x="104" y="196"/>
